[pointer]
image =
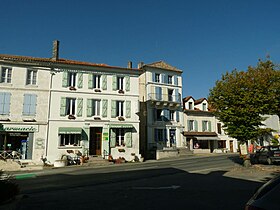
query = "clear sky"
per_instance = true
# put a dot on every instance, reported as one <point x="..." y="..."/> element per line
<point x="204" y="38"/>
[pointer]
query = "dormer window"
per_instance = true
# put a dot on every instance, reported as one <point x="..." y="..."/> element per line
<point x="191" y="105"/>
<point x="204" y="107"/>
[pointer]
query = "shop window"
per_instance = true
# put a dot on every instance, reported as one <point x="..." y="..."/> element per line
<point x="70" y="139"/>
<point x="221" y="144"/>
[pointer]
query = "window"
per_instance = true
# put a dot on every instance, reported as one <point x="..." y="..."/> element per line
<point x="170" y="94"/>
<point x="119" y="108"/>
<point x="158" y="114"/>
<point x="31" y="78"/>
<point x="93" y="107"/>
<point x="5" y="103"/>
<point x="157" y="76"/>
<point x="169" y="79"/>
<point x="120" y="83"/>
<point x="96" y="81"/>
<point x="120" y="137"/>
<point x="190" y="105"/>
<point x="6" y="75"/>
<point x="70" y="139"/>
<point x="206" y="125"/>
<point x="171" y="115"/>
<point x="219" y="127"/>
<point x="158" y="92"/>
<point x="204" y="107"/>
<point x="160" y="134"/>
<point x="192" y="125"/>
<point x="70" y="106"/>
<point x="29" y="105"/>
<point x="71" y="79"/>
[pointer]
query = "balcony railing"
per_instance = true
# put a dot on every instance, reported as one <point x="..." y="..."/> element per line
<point x="164" y="97"/>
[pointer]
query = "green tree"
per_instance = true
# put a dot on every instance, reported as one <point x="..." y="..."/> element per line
<point x="241" y="98"/>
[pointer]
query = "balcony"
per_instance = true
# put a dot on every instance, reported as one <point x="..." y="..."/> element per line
<point x="164" y="99"/>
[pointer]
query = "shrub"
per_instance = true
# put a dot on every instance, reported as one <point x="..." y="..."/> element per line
<point x="8" y="188"/>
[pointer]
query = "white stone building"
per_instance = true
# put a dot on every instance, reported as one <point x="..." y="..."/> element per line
<point x="203" y="132"/>
<point x="51" y="106"/>
<point x="161" y="108"/>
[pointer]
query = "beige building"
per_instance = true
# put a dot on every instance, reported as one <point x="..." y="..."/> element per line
<point x="24" y="107"/>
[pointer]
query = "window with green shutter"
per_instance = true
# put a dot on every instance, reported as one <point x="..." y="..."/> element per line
<point x="80" y="80"/>
<point x="63" y="106"/>
<point x="112" y="138"/>
<point x="90" y="81"/>
<point x="104" y="82"/>
<point x="128" y="139"/>
<point x="104" y="107"/>
<point x="65" y="79"/>
<point x="80" y="107"/>
<point x="114" y="82"/>
<point x="113" y="108"/>
<point x="127" y="83"/>
<point x="128" y="109"/>
<point x="89" y="107"/>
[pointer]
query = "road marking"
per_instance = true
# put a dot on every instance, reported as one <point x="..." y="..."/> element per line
<point x="173" y="187"/>
<point x="206" y="169"/>
<point x="143" y="168"/>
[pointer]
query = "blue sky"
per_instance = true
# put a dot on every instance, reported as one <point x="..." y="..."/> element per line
<point x="204" y="38"/>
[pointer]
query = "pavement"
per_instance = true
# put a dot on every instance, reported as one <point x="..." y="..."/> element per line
<point x="256" y="172"/>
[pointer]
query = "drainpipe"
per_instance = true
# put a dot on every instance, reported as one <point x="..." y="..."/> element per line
<point x="49" y="111"/>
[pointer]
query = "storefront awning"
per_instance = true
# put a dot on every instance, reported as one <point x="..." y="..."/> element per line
<point x="207" y="138"/>
<point x="69" y="130"/>
<point x="121" y="126"/>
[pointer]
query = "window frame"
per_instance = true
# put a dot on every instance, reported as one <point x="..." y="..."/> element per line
<point x="120" y="83"/>
<point x="70" y="106"/>
<point x="96" y="81"/>
<point x="72" y="79"/>
<point x="76" y="140"/>
<point x="120" y="108"/>
<point x="157" y="77"/>
<point x="169" y="79"/>
<point x="96" y="108"/>
<point x="6" y="75"/>
<point x="31" y="77"/>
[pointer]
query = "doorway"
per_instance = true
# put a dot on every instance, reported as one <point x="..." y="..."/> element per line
<point x="95" y="141"/>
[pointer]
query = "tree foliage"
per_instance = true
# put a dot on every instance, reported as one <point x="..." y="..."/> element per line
<point x="241" y="98"/>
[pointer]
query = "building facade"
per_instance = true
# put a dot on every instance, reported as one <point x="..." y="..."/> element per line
<point x="24" y="107"/>
<point x="161" y="108"/>
<point x="50" y="107"/>
<point x="203" y="132"/>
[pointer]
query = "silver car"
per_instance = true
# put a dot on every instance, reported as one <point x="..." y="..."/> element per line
<point x="267" y="197"/>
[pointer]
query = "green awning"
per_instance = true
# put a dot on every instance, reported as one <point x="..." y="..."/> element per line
<point x="69" y="130"/>
<point x="121" y="126"/>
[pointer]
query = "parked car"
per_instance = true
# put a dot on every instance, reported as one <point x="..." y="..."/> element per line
<point x="266" y="197"/>
<point x="267" y="154"/>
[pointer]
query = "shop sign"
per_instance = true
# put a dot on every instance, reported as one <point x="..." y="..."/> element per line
<point x="19" y="128"/>
<point x="105" y="137"/>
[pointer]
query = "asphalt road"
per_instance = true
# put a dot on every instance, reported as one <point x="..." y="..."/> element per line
<point x="193" y="182"/>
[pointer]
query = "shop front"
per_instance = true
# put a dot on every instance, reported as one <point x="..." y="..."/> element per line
<point x="16" y="141"/>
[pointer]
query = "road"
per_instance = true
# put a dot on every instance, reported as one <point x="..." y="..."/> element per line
<point x="193" y="182"/>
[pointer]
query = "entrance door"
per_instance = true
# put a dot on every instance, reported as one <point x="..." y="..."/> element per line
<point x="95" y="141"/>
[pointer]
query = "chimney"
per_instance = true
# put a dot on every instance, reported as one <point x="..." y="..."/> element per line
<point x="140" y="65"/>
<point x="129" y="65"/>
<point x="55" y="51"/>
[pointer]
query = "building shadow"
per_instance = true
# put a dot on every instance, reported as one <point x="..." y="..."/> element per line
<point x="166" y="188"/>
